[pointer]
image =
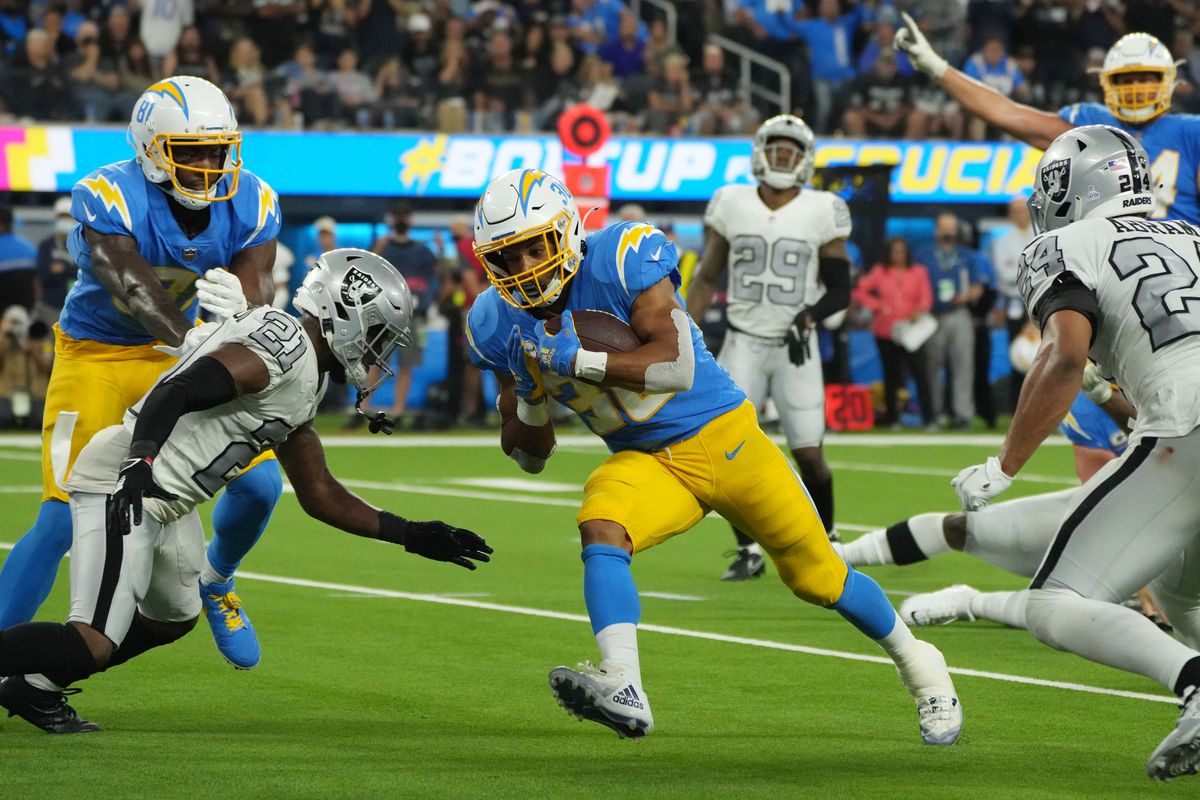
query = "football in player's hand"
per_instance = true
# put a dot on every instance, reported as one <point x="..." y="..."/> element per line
<point x="599" y="331"/>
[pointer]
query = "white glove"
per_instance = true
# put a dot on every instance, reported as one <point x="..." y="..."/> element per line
<point x="1095" y="387"/>
<point x="978" y="484"/>
<point x="220" y="294"/>
<point x="191" y="340"/>
<point x="914" y="44"/>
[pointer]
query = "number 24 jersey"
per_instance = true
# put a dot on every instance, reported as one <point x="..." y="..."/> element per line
<point x="1144" y="274"/>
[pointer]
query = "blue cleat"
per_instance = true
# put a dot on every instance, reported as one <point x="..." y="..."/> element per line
<point x="231" y="628"/>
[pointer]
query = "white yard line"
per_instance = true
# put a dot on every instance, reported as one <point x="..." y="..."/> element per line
<point x="449" y="600"/>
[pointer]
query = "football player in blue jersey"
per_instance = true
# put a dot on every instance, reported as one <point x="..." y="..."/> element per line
<point x="684" y="440"/>
<point x="178" y="227"/>
<point x="1138" y="78"/>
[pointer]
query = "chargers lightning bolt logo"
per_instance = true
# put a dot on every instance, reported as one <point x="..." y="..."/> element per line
<point x="110" y="194"/>
<point x="529" y="179"/>
<point x="171" y="90"/>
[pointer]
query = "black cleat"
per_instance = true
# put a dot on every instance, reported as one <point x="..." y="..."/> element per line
<point x="747" y="565"/>
<point x="46" y="710"/>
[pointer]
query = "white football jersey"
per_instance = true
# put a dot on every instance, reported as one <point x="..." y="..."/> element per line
<point x="1146" y="276"/>
<point x="773" y="253"/>
<point x="207" y="449"/>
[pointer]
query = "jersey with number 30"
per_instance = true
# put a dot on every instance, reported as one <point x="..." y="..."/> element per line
<point x="1173" y="143"/>
<point x="1147" y="339"/>
<point x="118" y="200"/>
<point x="773" y="253"/>
<point x="207" y="449"/>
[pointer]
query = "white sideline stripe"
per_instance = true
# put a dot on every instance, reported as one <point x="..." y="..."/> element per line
<point x="690" y="634"/>
<point x="448" y="600"/>
<point x="19" y="457"/>
<point x="904" y="469"/>
<point x="515" y="484"/>
<point x="669" y="596"/>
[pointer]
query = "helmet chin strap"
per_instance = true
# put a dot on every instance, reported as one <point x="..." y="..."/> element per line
<point x="188" y="202"/>
<point x="379" y="422"/>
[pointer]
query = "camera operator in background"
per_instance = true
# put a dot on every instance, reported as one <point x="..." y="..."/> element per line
<point x="25" y="356"/>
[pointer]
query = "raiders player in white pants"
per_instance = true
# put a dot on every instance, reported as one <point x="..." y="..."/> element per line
<point x="1101" y="278"/>
<point x="250" y="383"/>
<point x="784" y="247"/>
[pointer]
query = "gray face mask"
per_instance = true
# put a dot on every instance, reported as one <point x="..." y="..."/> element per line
<point x="63" y="227"/>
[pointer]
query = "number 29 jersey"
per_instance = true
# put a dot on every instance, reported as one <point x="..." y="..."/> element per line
<point x="773" y="253"/>
<point x="1147" y="336"/>
<point x="207" y="449"/>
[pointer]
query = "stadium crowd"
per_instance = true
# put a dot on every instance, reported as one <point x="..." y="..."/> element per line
<point x="489" y="66"/>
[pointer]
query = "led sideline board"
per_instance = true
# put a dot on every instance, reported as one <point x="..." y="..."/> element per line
<point x="52" y="158"/>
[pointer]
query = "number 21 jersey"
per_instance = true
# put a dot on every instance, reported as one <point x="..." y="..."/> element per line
<point x="1147" y="338"/>
<point x="773" y="253"/>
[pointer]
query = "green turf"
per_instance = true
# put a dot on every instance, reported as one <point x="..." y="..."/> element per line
<point x="362" y="696"/>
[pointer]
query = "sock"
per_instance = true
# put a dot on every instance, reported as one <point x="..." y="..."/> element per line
<point x="30" y="569"/>
<point x="240" y="517"/>
<point x="866" y="607"/>
<point x="1189" y="677"/>
<point x="743" y="540"/>
<point x="608" y="588"/>
<point x="821" y="494"/>
<point x="618" y="648"/>
<point x="39" y="681"/>
<point x="1007" y="608"/>
<point x="869" y="550"/>
<point x="52" y="648"/>
<point x="921" y="666"/>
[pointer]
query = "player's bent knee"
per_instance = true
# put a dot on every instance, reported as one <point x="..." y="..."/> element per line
<point x="954" y="528"/>
<point x="604" y="531"/>
<point x="817" y="582"/>
<point x="1044" y="616"/>
<point x="99" y="646"/>
<point x="167" y="632"/>
<point x="258" y="488"/>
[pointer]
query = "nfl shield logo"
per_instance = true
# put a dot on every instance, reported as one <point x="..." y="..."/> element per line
<point x="190" y="253"/>
<point x="1055" y="178"/>
<point x="358" y="287"/>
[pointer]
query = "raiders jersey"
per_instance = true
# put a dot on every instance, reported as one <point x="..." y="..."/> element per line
<point x="773" y="254"/>
<point x="1144" y="275"/>
<point x="207" y="449"/>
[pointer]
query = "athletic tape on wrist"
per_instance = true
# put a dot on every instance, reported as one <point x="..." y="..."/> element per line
<point x="590" y="365"/>
<point x="534" y="415"/>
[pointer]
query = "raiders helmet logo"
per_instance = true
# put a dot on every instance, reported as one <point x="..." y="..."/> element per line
<point x="1055" y="178"/>
<point x="359" y="288"/>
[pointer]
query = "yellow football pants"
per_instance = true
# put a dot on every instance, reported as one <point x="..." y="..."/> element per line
<point x="92" y="384"/>
<point x="730" y="467"/>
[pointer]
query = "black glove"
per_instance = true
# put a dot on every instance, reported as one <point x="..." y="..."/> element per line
<point x="797" y="338"/>
<point x="135" y="481"/>
<point x="434" y="540"/>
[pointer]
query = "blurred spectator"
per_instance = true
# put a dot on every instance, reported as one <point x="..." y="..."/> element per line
<point x="39" y="88"/>
<point x="245" y="87"/>
<point x="335" y="26"/>
<point x="658" y="45"/>
<point x="957" y="279"/>
<point x="18" y="260"/>
<point x="25" y="359"/>
<point x="883" y="37"/>
<point x="600" y="88"/>
<point x="1094" y="23"/>
<point x="721" y="110"/>
<point x="134" y="74"/>
<point x="354" y="90"/>
<point x="898" y="291"/>
<point x="1006" y="257"/>
<point x="990" y="18"/>
<point x="1155" y="17"/>
<point x="307" y="88"/>
<point x="161" y="24"/>
<point x="422" y="56"/>
<point x="465" y="281"/>
<point x="379" y="36"/>
<point x="1186" y="51"/>
<point x="670" y="99"/>
<point x="592" y="22"/>
<point x="534" y="52"/>
<point x="53" y="265"/>
<point x="13" y="25"/>
<point x="118" y="33"/>
<point x="879" y="104"/>
<point x="52" y="23"/>
<point x="75" y="13"/>
<point x="453" y="84"/>
<point x="942" y="22"/>
<point x="623" y="49"/>
<point x="829" y="36"/>
<point x="398" y="97"/>
<point x="191" y="57"/>
<point x="558" y="88"/>
<point x="994" y="67"/>
<point x="497" y="86"/>
<point x="94" y="79"/>
<point x="274" y="26"/>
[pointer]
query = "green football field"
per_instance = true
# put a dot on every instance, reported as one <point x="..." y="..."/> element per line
<point x="386" y="675"/>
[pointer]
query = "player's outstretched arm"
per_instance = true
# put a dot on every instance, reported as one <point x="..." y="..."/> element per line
<point x="1033" y="126"/>
<point x="130" y="279"/>
<point x="324" y="498"/>
<point x="712" y="266"/>
<point x="526" y="430"/>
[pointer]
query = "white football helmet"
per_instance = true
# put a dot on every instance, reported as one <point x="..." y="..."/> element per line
<point x="181" y="112"/>
<point x="516" y="207"/>
<point x="762" y="160"/>
<point x="1143" y="100"/>
<point x="1091" y="172"/>
<point x="365" y="309"/>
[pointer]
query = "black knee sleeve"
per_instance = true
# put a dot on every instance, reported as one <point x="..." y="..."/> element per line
<point x="146" y="634"/>
<point x="58" y="651"/>
<point x="903" y="545"/>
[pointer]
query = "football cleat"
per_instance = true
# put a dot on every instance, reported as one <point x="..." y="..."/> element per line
<point x="43" y="709"/>
<point x="940" y="718"/>
<point x="924" y="674"/>
<point x="1179" y="753"/>
<point x="940" y="607"/>
<point x="231" y="628"/>
<point x="616" y="701"/>
<point x="748" y="564"/>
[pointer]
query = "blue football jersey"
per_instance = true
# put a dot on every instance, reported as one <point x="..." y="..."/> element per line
<point x="1173" y="143"/>
<point x="1087" y="425"/>
<point x="622" y="261"/>
<point x="117" y="199"/>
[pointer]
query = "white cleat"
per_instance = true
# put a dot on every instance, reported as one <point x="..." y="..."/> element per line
<point x="941" y="719"/>
<point x="1179" y="753"/>
<point x="616" y="701"/>
<point x="940" y="607"/>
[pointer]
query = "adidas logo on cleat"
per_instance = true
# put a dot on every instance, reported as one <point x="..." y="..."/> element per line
<point x="629" y="697"/>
